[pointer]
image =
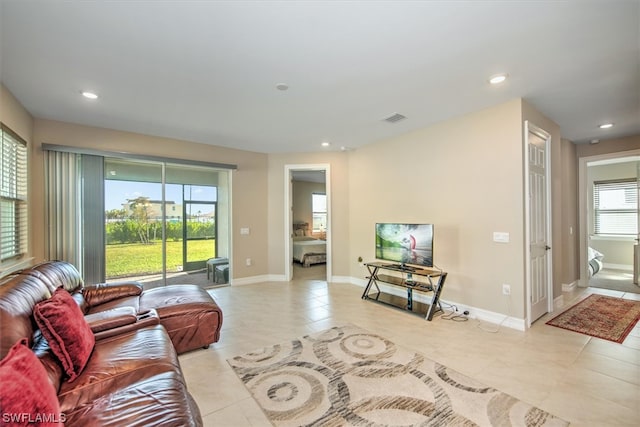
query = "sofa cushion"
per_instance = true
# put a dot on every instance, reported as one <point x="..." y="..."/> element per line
<point x="111" y="319"/>
<point x="56" y="274"/>
<point x="118" y="361"/>
<point x="156" y="400"/>
<point x="105" y="292"/>
<point x="129" y="301"/>
<point x="188" y="312"/>
<point x="26" y="395"/>
<point x="18" y="296"/>
<point x="65" y="328"/>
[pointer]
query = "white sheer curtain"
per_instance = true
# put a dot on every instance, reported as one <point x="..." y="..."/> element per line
<point x="63" y="207"/>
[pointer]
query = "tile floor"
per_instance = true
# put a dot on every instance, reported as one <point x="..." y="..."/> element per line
<point x="584" y="380"/>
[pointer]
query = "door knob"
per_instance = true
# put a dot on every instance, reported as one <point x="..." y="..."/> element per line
<point x="546" y="248"/>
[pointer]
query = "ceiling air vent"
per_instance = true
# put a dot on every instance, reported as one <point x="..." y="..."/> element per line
<point x="394" y="118"/>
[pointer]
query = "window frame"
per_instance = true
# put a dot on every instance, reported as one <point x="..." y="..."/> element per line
<point x="598" y="212"/>
<point x="14" y="193"/>
<point x="323" y="227"/>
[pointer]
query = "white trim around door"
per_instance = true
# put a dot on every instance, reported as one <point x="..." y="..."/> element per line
<point x="583" y="204"/>
<point x="538" y="247"/>
<point x="288" y="220"/>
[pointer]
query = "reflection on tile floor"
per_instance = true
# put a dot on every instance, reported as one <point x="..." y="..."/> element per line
<point x="586" y="381"/>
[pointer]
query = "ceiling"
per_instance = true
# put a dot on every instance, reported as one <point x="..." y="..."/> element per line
<point x="207" y="71"/>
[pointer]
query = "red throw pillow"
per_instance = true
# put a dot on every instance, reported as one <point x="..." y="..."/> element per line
<point x="26" y="395"/>
<point x="65" y="328"/>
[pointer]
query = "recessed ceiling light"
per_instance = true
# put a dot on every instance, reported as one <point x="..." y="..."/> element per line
<point x="498" y="78"/>
<point x="282" y="86"/>
<point x="89" y="95"/>
<point x="594" y="141"/>
<point x="325" y="144"/>
<point x="606" y="125"/>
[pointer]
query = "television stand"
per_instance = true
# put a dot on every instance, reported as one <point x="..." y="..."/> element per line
<point x="425" y="283"/>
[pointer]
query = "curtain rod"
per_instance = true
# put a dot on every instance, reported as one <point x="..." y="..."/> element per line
<point x="125" y="155"/>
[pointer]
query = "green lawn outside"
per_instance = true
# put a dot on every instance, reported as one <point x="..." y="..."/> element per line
<point x="134" y="259"/>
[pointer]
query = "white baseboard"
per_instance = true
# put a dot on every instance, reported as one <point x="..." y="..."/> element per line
<point x="497" y="318"/>
<point x="346" y="279"/>
<point x="258" y="279"/>
<point x="474" y="313"/>
<point x="569" y="287"/>
<point x="558" y="302"/>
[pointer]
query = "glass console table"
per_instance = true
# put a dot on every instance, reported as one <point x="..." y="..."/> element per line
<point x="428" y="280"/>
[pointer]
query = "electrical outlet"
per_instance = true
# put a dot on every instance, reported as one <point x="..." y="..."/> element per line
<point x="248" y="262"/>
<point x="506" y="289"/>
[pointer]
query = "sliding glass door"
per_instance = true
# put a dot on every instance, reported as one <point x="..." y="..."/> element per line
<point x="199" y="238"/>
<point x="162" y="219"/>
<point x="133" y="218"/>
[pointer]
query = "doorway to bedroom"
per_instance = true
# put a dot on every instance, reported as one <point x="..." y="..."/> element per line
<point x="612" y="260"/>
<point x="307" y="223"/>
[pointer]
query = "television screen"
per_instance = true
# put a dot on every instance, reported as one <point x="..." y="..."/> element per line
<point x="405" y="243"/>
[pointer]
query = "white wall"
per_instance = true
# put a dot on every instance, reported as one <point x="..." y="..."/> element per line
<point x="464" y="176"/>
<point x="13" y="115"/>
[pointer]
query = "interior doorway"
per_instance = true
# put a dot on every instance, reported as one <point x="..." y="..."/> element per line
<point x="307" y="222"/>
<point x="538" y="222"/>
<point x="609" y="218"/>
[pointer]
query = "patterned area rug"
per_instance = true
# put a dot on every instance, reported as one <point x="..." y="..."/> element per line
<point x="600" y="316"/>
<point x="346" y="376"/>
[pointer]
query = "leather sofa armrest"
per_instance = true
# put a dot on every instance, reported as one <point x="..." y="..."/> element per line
<point x="111" y="319"/>
<point x="148" y="318"/>
<point x="105" y="292"/>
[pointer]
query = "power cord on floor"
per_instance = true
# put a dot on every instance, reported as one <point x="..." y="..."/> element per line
<point x="454" y="315"/>
<point x="479" y="324"/>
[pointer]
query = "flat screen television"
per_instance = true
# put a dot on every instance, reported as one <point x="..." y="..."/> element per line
<point x="405" y="243"/>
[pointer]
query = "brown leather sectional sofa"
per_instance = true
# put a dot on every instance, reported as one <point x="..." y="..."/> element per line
<point x="132" y="376"/>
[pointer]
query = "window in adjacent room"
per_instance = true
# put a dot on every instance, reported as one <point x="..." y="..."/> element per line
<point x="616" y="207"/>
<point x="13" y="196"/>
<point x="319" y="211"/>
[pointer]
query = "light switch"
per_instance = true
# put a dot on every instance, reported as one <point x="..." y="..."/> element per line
<point x="245" y="231"/>
<point x="500" y="237"/>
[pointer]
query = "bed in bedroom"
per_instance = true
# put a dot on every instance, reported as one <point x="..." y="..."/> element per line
<point x="595" y="261"/>
<point x="307" y="250"/>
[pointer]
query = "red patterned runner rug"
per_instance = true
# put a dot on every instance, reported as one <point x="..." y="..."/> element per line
<point x="600" y="316"/>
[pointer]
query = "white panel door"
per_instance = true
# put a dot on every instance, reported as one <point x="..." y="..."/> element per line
<point x="538" y="226"/>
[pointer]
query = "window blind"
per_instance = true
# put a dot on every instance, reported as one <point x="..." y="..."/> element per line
<point x="319" y="211"/>
<point x="13" y="195"/>
<point x="616" y="207"/>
